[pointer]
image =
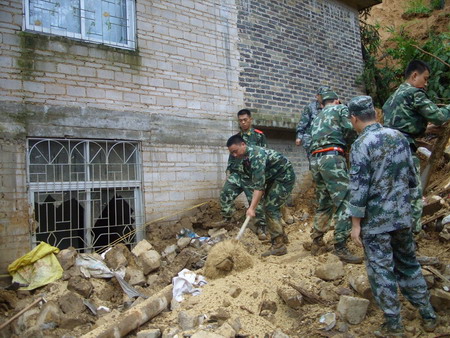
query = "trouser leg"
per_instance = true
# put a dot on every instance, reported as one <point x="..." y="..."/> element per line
<point x="230" y="191"/>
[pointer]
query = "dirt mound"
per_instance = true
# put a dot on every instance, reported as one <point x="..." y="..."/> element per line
<point x="227" y="257"/>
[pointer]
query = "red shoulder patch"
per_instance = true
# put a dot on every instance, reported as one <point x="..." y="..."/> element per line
<point x="258" y="131"/>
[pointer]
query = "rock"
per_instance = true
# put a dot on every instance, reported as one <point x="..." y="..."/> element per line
<point x="221" y="315"/>
<point x="116" y="258"/>
<point x="353" y="309"/>
<point x="169" y="250"/>
<point x="174" y="304"/>
<point x="217" y="232"/>
<point x="327" y="293"/>
<point x="234" y="291"/>
<point x="341" y="326"/>
<point x="72" y="272"/>
<point x="291" y="297"/>
<point x="149" y="261"/>
<point x="171" y="332"/>
<point x="226" y="330"/>
<point x="279" y="334"/>
<point x="134" y="276"/>
<point x="226" y="265"/>
<point x="183" y="242"/>
<point x="331" y="270"/>
<point x="445" y="233"/>
<point x="141" y="247"/>
<point x="67" y="258"/>
<point x="25" y="321"/>
<point x="187" y="321"/>
<point x="151" y="333"/>
<point x="360" y="283"/>
<point x="206" y="334"/>
<point x="235" y="323"/>
<point x="433" y="205"/>
<point x="71" y="303"/>
<point x="440" y="300"/>
<point x="151" y="279"/>
<point x="269" y="305"/>
<point x="446" y="270"/>
<point x="81" y="286"/>
<point x="429" y="278"/>
<point x="50" y="313"/>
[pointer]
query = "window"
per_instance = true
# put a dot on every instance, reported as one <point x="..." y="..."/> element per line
<point x="85" y="194"/>
<point x="110" y="22"/>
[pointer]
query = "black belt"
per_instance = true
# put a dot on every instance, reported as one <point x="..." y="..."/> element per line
<point x="331" y="152"/>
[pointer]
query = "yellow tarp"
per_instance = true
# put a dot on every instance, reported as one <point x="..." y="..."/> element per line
<point x="36" y="268"/>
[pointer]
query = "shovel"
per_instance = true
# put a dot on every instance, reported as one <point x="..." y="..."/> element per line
<point x="243" y="227"/>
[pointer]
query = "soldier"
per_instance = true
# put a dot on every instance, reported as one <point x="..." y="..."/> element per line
<point x="272" y="175"/>
<point x="237" y="181"/>
<point x="409" y="110"/>
<point x="304" y="125"/>
<point x="331" y="133"/>
<point x="382" y="183"/>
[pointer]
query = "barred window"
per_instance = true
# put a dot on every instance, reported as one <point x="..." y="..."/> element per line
<point x="109" y="22"/>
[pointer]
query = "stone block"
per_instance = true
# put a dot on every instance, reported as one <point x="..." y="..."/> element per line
<point x="226" y="330"/>
<point x="360" y="283"/>
<point x="183" y="242"/>
<point x="440" y="300"/>
<point x="80" y="285"/>
<point x="150" y="333"/>
<point x="353" y="309"/>
<point x="67" y="258"/>
<point x="50" y="313"/>
<point x="234" y="291"/>
<point x="135" y="276"/>
<point x="171" y="332"/>
<point x="187" y="321"/>
<point x="206" y="334"/>
<point x="116" y="258"/>
<point x="291" y="297"/>
<point x="330" y="271"/>
<point x="141" y="247"/>
<point x="71" y="303"/>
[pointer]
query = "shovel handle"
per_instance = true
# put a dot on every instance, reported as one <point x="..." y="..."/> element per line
<point x="243" y="227"/>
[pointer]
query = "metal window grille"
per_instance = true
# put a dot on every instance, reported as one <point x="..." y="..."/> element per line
<point x="109" y="22"/>
<point x="83" y="193"/>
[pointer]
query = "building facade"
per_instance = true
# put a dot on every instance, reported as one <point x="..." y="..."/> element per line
<point x="116" y="113"/>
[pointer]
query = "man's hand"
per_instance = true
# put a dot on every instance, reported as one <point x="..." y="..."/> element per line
<point x="356" y="231"/>
<point x="251" y="212"/>
<point x="298" y="142"/>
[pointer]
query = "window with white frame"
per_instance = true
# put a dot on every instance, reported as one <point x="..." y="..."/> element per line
<point x="109" y="22"/>
<point x="85" y="193"/>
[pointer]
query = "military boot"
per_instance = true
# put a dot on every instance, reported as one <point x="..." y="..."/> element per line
<point x="388" y="330"/>
<point x="341" y="250"/>
<point x="317" y="246"/>
<point x="278" y="248"/>
<point x="261" y="232"/>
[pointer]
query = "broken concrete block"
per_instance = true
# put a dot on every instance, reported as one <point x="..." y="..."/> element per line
<point x="226" y="330"/>
<point x="360" y="283"/>
<point x="440" y="299"/>
<point x="331" y="270"/>
<point x="50" y="313"/>
<point x="169" y="250"/>
<point x="291" y="297"/>
<point x="221" y="315"/>
<point x="141" y="247"/>
<point x="269" y="305"/>
<point x="183" y="242"/>
<point x="353" y="309"/>
<point x="187" y="321"/>
<point x="116" y="258"/>
<point x="150" y="261"/>
<point x="81" y="286"/>
<point x="67" y="258"/>
<point x="234" y="291"/>
<point x="71" y="303"/>
<point x="235" y="323"/>
<point x="151" y="333"/>
<point x="135" y="276"/>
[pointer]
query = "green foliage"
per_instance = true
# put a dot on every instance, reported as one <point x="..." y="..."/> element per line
<point x="417" y="7"/>
<point x="437" y="4"/>
<point x="382" y="74"/>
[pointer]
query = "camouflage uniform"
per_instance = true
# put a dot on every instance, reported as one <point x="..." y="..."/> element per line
<point x="382" y="184"/>
<point x="331" y="128"/>
<point x="238" y="182"/>
<point x="271" y="172"/>
<point x="409" y="110"/>
<point x="304" y="125"/>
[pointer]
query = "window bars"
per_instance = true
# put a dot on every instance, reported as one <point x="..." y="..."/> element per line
<point x="85" y="193"/>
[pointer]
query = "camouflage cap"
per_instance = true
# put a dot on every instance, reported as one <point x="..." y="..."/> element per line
<point x="322" y="89"/>
<point x="360" y="105"/>
<point x="329" y="95"/>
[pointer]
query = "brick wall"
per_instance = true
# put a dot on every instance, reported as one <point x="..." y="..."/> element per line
<point x="288" y="48"/>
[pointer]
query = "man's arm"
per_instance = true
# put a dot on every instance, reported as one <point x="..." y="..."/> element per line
<point x="257" y="195"/>
<point x="359" y="181"/>
<point x="430" y="111"/>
